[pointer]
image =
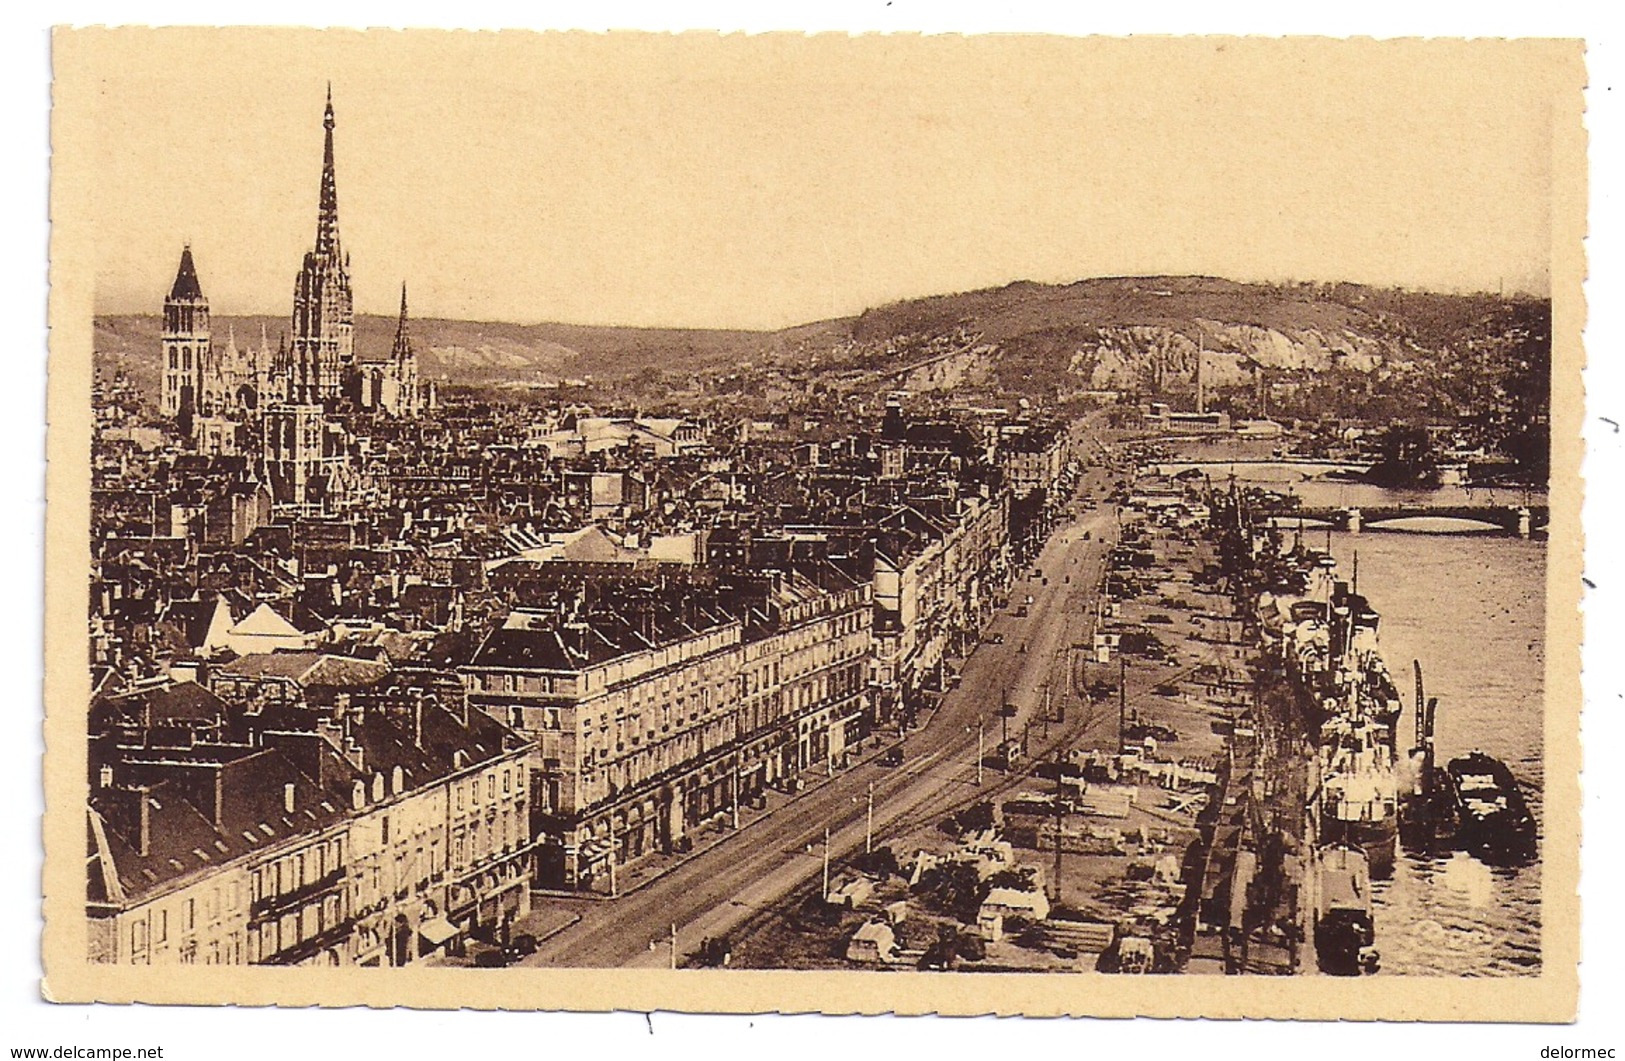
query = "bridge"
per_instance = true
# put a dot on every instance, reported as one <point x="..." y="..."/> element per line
<point x="1524" y="521"/>
<point x="1283" y="470"/>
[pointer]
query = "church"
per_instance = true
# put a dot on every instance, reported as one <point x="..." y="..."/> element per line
<point x="315" y="365"/>
<point x="287" y="407"/>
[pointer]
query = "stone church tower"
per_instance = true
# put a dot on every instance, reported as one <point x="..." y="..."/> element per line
<point x="185" y="339"/>
<point x="322" y="354"/>
<point x="404" y="366"/>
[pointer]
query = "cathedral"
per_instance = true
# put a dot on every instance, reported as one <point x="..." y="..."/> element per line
<point x="288" y="408"/>
<point x="316" y="367"/>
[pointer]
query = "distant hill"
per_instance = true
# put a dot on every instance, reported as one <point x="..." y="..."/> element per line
<point x="470" y="352"/>
<point x="1136" y="335"/>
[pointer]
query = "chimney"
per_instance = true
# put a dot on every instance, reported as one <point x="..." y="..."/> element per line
<point x="417" y="717"/>
<point x="287" y="798"/>
<point x="105" y="776"/>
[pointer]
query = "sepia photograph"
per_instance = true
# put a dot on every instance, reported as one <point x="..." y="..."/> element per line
<point x="1007" y="524"/>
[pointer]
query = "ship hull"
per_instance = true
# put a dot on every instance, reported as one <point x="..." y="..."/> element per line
<point x="1344" y="934"/>
<point x="1377" y="839"/>
<point x="1493" y="822"/>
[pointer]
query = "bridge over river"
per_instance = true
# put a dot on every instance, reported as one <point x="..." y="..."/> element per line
<point x="1422" y="518"/>
<point x="1264" y="471"/>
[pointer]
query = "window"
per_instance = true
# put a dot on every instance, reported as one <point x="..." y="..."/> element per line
<point x="160" y="926"/>
<point x="507" y="781"/>
<point x="491" y="786"/>
<point x="138" y="936"/>
<point x="188" y="915"/>
<point x="384" y="829"/>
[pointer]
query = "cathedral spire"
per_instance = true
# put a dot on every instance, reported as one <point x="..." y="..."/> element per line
<point x="403" y="341"/>
<point x="327" y="220"/>
<point x="186" y="287"/>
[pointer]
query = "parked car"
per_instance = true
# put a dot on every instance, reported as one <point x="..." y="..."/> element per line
<point x="519" y="946"/>
<point x="490" y="958"/>
<point x="893" y="756"/>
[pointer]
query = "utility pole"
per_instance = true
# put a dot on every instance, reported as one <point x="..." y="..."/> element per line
<point x="736" y="795"/>
<point x="613" y="891"/>
<point x="826" y="865"/>
<point x="1122" y="698"/>
<point x="1059" y="818"/>
<point x="869" y="827"/>
<point x="674" y="944"/>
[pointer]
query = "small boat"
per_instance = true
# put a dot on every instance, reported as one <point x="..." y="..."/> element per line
<point x="1344" y="932"/>
<point x="1492" y="820"/>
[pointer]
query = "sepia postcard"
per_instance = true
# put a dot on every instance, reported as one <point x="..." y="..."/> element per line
<point x="921" y="524"/>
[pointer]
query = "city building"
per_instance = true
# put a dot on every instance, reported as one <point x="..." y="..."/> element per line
<point x="375" y="829"/>
<point x="660" y="710"/>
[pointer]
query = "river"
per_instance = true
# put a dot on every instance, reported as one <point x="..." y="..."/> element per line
<point x="1472" y="609"/>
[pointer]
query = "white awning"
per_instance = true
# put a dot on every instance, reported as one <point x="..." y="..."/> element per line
<point x="437" y="930"/>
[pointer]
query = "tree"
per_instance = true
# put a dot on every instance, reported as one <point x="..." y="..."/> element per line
<point x="1405" y="457"/>
<point x="881" y="862"/>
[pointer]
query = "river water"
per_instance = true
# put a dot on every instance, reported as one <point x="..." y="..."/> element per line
<point x="1472" y="609"/>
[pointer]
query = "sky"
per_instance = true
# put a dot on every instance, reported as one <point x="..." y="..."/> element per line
<point x="766" y="181"/>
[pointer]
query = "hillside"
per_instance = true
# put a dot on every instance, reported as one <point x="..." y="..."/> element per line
<point x="1321" y="347"/>
<point x="469" y="352"/>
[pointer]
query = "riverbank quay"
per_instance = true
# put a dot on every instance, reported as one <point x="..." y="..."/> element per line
<point x="1143" y="796"/>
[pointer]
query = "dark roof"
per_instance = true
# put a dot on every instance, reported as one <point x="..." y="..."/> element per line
<point x="192" y="618"/>
<point x="184" y="841"/>
<point x="186" y="287"/>
<point x="175" y="702"/>
<point x="188" y="837"/>
<point x="308" y="669"/>
<point x="538" y="639"/>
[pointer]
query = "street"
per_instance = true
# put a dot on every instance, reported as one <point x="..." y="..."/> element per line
<point x="718" y="890"/>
